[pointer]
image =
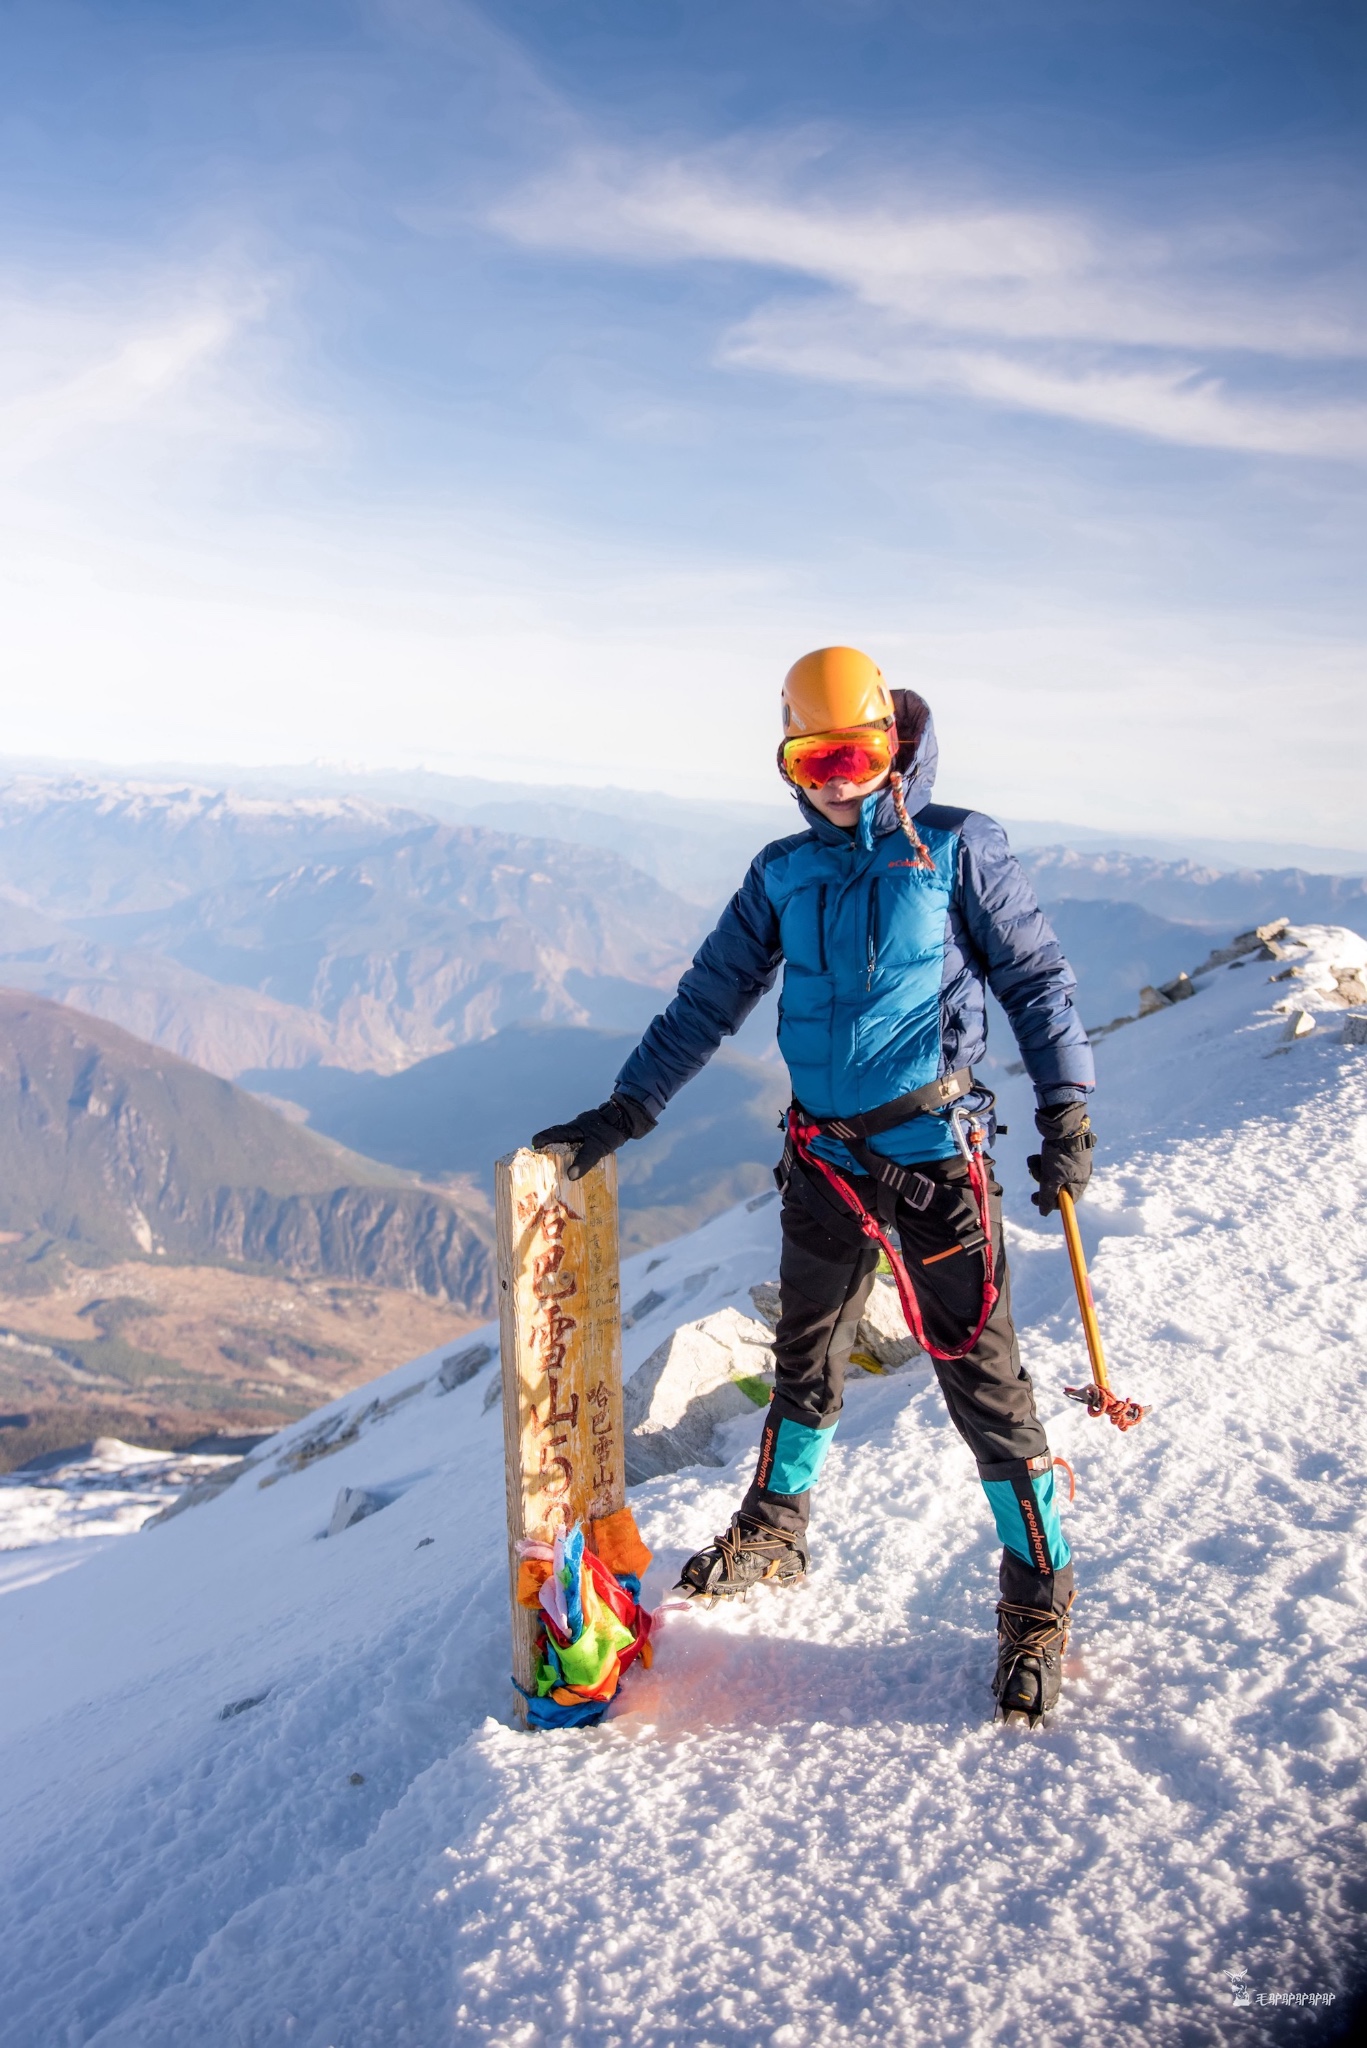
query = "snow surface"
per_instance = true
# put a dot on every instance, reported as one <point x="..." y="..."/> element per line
<point x="109" y="1490"/>
<point x="801" y="1826"/>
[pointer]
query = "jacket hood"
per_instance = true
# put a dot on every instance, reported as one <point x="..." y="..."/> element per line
<point x="918" y="757"/>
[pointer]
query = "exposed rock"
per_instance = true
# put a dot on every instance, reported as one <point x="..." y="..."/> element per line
<point x="1355" y="1030"/>
<point x="710" y="1371"/>
<point x="393" y="1401"/>
<point x="335" y="1432"/>
<point x="387" y="1237"/>
<point x="644" y="1307"/>
<point x="197" y="1495"/>
<point x="332" y="1434"/>
<point x="701" y="1377"/>
<point x="1150" y="1000"/>
<point x="462" y="1366"/>
<point x="354" y="1504"/>
<point x="236" y="1707"/>
<point x="1343" y="987"/>
<point x="1153" y="999"/>
<point x="767" y="1302"/>
<point x="1340" y="982"/>
<point x="1261" y="940"/>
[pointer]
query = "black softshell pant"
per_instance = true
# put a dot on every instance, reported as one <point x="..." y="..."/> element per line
<point x="825" y="1276"/>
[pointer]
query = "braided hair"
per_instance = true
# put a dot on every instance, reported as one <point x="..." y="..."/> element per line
<point x="912" y="715"/>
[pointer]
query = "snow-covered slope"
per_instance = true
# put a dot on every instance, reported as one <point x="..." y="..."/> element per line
<point x="259" y="1786"/>
<point x="94" y="1494"/>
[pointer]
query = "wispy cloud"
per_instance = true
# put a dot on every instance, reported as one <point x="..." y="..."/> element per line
<point x="1171" y="402"/>
<point x="88" y="370"/>
<point x="1173" y="334"/>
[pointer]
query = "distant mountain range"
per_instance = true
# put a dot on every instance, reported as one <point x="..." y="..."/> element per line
<point x="430" y="988"/>
<point x="210" y="829"/>
<point x="76" y="846"/>
<point x="338" y="930"/>
<point x="203" y="1020"/>
<point x="281" y="927"/>
<point x="1214" y="898"/>
<point x="110" y="1148"/>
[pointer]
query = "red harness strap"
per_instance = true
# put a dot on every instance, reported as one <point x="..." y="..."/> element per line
<point x="802" y="1135"/>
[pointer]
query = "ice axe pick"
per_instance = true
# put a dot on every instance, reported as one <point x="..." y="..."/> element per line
<point x="1098" y="1397"/>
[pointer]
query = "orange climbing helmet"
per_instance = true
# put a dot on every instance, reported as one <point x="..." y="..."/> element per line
<point x="832" y="690"/>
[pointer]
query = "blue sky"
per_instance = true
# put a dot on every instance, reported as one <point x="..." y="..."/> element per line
<point x="522" y="388"/>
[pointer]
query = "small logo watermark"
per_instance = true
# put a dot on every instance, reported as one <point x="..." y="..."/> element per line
<point x="1243" y="1993"/>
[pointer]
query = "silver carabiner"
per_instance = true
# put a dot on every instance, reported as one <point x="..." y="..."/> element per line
<point x="956" y="1125"/>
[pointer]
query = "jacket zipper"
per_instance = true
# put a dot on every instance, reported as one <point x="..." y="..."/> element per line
<point x="873" y="935"/>
<point x="821" y="928"/>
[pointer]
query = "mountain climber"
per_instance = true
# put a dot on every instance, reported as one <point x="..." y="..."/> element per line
<point x="890" y="916"/>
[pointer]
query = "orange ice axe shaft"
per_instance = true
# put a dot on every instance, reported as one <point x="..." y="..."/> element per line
<point x="1098" y="1398"/>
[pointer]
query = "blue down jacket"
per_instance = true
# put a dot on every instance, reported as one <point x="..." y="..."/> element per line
<point x="885" y="965"/>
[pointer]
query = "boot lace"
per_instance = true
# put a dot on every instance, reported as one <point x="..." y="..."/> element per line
<point x="735" y="1541"/>
<point x="1028" y="1632"/>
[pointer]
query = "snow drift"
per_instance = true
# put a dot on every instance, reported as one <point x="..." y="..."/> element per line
<point x="259" y="1783"/>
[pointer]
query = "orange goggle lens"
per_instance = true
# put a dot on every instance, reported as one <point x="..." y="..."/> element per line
<point x="853" y="756"/>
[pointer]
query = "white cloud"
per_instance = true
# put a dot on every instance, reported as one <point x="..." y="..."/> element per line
<point x="1170" y="403"/>
<point x="159" y="603"/>
<point x="1037" y="309"/>
<point x="108" y="369"/>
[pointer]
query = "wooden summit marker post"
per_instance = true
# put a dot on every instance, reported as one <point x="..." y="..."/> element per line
<point x="560" y="1328"/>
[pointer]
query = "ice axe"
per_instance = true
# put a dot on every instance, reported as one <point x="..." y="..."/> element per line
<point x="1098" y="1397"/>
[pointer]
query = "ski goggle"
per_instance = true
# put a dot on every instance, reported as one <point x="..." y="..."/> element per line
<point x="855" y="755"/>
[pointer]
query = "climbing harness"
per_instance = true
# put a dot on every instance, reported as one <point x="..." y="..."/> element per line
<point x="1098" y="1398"/>
<point x="916" y="1188"/>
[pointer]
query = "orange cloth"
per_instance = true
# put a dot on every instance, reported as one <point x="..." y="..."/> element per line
<point x="616" y="1540"/>
<point x="532" y="1574"/>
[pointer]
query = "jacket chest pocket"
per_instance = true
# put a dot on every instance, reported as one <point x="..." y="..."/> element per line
<point x="802" y="929"/>
<point x="906" y="920"/>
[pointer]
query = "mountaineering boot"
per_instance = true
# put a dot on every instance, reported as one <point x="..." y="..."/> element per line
<point x="747" y="1555"/>
<point x="1030" y="1646"/>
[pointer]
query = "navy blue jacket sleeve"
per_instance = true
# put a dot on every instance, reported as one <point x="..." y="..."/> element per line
<point x="735" y="965"/>
<point x="1025" y="963"/>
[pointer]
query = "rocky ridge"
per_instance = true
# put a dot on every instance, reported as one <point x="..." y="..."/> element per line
<point x="114" y="1148"/>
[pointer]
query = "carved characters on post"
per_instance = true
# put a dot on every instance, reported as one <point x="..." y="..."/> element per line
<point x="577" y="1467"/>
<point x="604" y="1441"/>
<point x="549" y="1336"/>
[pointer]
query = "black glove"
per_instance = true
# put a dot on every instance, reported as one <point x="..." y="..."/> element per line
<point x="596" y="1132"/>
<point x="1065" y="1158"/>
